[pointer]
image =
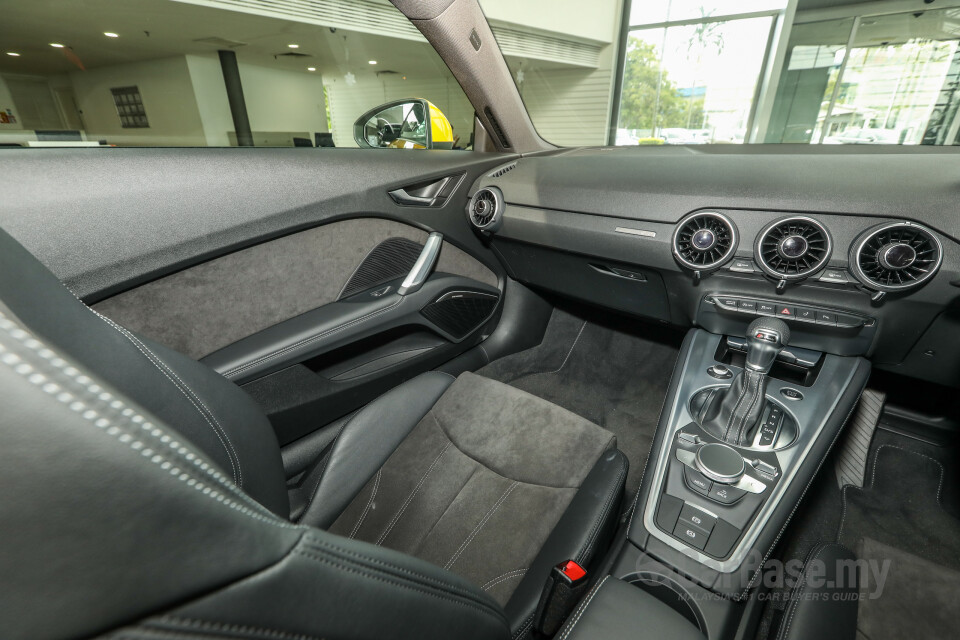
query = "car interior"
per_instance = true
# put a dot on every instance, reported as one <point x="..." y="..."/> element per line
<point x="522" y="390"/>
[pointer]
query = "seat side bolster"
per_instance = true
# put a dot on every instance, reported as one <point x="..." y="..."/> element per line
<point x="366" y="441"/>
<point x="331" y="587"/>
<point x="823" y="604"/>
<point x="585" y="526"/>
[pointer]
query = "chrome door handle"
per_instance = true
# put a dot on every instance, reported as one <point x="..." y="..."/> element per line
<point x="423" y="266"/>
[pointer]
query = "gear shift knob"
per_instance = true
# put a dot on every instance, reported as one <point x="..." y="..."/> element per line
<point x="766" y="337"/>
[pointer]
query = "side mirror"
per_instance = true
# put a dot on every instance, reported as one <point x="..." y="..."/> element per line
<point x="411" y="123"/>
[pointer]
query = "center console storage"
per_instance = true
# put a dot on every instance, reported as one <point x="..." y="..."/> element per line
<point x="617" y="609"/>
<point x="745" y="427"/>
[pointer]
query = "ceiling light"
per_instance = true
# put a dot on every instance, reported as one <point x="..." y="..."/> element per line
<point x="294" y="46"/>
<point x="373" y="62"/>
<point x="14" y="54"/>
<point x="56" y="45"/>
<point x="111" y="34"/>
<point x="311" y="68"/>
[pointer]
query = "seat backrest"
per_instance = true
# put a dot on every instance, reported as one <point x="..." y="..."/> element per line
<point x="211" y="412"/>
<point x="113" y="520"/>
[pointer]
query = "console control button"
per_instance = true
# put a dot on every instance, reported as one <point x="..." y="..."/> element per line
<point x="730" y="303"/>
<point x="834" y="275"/>
<point x="696" y="481"/>
<point x="765" y="468"/>
<point x="767" y="433"/>
<point x="748" y="305"/>
<point x="720" y="462"/>
<point x="785" y="311"/>
<point x="725" y="494"/>
<point x="692" y="535"/>
<point x="668" y="512"/>
<point x="791" y="394"/>
<point x="691" y="515"/>
<point x="848" y="320"/>
<point x="806" y="313"/>
<point x="720" y="372"/>
<point x="827" y="317"/>
<point x="724" y="536"/>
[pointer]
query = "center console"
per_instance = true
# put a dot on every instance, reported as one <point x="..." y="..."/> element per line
<point x="746" y="424"/>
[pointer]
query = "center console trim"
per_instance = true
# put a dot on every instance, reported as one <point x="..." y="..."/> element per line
<point x="835" y="378"/>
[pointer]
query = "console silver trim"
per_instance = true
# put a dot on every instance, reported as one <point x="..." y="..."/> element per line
<point x="835" y="377"/>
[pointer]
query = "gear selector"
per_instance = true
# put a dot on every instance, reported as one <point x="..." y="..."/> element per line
<point x="732" y="414"/>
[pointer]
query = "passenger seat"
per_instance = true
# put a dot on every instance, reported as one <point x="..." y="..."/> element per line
<point x="145" y="496"/>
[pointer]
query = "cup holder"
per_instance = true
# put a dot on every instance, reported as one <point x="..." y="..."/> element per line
<point x="670" y="593"/>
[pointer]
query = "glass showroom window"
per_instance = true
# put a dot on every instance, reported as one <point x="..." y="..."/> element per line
<point x="692" y="70"/>
<point x="871" y="79"/>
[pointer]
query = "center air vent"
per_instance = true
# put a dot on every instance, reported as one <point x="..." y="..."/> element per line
<point x="486" y="209"/>
<point x="704" y="241"/>
<point x="895" y="257"/>
<point x="793" y="248"/>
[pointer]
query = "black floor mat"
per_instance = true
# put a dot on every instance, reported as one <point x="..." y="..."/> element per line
<point x="612" y="372"/>
<point x="904" y="516"/>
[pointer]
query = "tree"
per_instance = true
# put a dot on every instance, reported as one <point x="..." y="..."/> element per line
<point x="647" y="91"/>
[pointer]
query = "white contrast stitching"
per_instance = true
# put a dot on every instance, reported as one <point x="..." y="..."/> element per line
<point x="516" y="573"/>
<point x="572" y="346"/>
<point x="366" y="509"/>
<point x="583" y="607"/>
<point x="803" y="583"/>
<point x="127" y="416"/>
<point x="483" y="521"/>
<point x="410" y="498"/>
<point x="187" y="392"/>
<point x="873" y="477"/>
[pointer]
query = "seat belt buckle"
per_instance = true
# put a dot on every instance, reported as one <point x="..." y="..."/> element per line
<point x="565" y="585"/>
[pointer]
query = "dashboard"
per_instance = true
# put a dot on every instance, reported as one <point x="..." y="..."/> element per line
<point x="856" y="250"/>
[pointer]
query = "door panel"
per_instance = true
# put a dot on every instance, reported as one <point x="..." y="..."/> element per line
<point x="107" y="220"/>
<point x="211" y="305"/>
<point x="279" y="268"/>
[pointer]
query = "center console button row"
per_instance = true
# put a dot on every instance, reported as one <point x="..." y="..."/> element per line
<point x="699" y="483"/>
<point x="696" y="517"/>
<point x="695" y="527"/>
<point x="692" y="535"/>
<point x="788" y="311"/>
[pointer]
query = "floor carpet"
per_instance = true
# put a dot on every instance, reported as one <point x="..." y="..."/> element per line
<point x="611" y="371"/>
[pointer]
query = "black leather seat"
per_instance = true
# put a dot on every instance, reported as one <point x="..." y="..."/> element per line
<point x="145" y="496"/>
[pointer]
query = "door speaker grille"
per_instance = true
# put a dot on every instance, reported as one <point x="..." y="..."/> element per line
<point x="391" y="259"/>
<point x="460" y="312"/>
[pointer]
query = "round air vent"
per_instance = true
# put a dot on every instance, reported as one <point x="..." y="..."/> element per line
<point x="486" y="209"/>
<point x="703" y="241"/>
<point x="793" y="248"/>
<point x="895" y="257"/>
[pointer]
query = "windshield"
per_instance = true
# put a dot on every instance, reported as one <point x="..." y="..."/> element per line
<point x="695" y="72"/>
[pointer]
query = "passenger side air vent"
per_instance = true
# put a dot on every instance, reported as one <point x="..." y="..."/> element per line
<point x="793" y="249"/>
<point x="486" y="209"/>
<point x="896" y="257"/>
<point x="704" y="241"/>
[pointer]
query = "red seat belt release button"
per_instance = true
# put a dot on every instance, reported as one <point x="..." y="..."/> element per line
<point x="565" y="585"/>
<point x="572" y="570"/>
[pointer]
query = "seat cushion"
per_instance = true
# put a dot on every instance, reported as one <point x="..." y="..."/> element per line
<point x="480" y="483"/>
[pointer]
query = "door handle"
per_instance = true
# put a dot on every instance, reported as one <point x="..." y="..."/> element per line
<point x="423" y="266"/>
<point x="429" y="194"/>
